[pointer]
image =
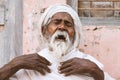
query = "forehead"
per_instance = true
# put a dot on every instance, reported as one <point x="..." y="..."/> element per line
<point x="62" y="15"/>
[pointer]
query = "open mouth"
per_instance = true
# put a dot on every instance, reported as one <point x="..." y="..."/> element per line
<point x="60" y="37"/>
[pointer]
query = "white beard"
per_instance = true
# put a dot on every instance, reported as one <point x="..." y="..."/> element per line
<point x="60" y="47"/>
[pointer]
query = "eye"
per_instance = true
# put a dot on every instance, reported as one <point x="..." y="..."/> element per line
<point x="68" y="24"/>
<point x="57" y="21"/>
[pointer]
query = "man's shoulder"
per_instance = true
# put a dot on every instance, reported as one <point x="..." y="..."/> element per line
<point x="79" y="54"/>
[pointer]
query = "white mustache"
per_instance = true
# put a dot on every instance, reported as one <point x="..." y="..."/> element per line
<point x="62" y="34"/>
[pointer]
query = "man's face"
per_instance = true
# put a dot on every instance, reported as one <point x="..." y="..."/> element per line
<point x="62" y="21"/>
<point x="60" y="33"/>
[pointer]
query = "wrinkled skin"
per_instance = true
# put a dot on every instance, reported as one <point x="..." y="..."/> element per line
<point x="31" y="61"/>
<point x="81" y="66"/>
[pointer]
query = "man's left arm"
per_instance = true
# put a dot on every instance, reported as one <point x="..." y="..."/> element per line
<point x="80" y="66"/>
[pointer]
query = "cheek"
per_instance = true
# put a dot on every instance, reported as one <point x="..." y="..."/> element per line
<point x="71" y="32"/>
<point x="51" y="30"/>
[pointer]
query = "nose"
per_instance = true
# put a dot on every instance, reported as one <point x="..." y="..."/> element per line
<point x="62" y="25"/>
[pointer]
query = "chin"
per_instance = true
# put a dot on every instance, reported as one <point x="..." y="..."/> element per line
<point x="60" y="48"/>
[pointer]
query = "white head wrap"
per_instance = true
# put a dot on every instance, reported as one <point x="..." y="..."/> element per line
<point x="51" y="10"/>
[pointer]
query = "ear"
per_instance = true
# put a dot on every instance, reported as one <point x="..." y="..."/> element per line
<point x="44" y="29"/>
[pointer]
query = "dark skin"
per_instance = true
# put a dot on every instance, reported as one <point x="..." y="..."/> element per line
<point x="81" y="66"/>
<point x="62" y="21"/>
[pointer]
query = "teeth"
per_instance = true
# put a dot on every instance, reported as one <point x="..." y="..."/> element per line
<point x="61" y="37"/>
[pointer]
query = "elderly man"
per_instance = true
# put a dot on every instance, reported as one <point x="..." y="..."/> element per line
<point x="60" y="29"/>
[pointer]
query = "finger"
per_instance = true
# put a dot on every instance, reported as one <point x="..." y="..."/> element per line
<point x="68" y="61"/>
<point x="66" y="70"/>
<point x="45" y="67"/>
<point x="70" y="73"/>
<point x="63" y="66"/>
<point x="38" y="58"/>
<point x="41" y="71"/>
<point x="43" y="60"/>
<point x="74" y="71"/>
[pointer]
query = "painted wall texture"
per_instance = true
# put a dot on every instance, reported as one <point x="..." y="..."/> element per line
<point x="101" y="42"/>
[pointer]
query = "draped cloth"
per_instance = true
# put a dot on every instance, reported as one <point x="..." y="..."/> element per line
<point x="54" y="75"/>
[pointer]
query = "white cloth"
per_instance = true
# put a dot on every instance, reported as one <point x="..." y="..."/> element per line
<point x="54" y="75"/>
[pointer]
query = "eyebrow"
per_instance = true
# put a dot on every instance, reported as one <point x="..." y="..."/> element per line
<point x="61" y="20"/>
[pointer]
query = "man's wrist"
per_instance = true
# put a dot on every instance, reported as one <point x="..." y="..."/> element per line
<point x="7" y="71"/>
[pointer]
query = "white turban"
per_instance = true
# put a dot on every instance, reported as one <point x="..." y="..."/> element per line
<point x="51" y="10"/>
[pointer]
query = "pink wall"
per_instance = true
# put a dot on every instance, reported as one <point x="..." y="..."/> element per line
<point x="103" y="43"/>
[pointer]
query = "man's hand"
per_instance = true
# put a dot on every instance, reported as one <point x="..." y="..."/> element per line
<point x="80" y="66"/>
<point x="30" y="61"/>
